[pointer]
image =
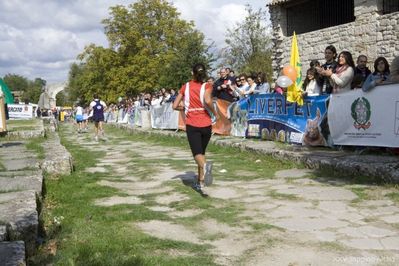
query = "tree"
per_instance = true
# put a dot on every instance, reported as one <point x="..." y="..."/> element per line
<point x="73" y="89"/>
<point x="249" y="45"/>
<point x="30" y="90"/>
<point x="32" y="93"/>
<point x="150" y="48"/>
<point x="61" y="99"/>
<point x="16" y="82"/>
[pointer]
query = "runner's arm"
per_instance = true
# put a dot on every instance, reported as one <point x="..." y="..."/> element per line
<point x="209" y="103"/>
<point x="176" y="104"/>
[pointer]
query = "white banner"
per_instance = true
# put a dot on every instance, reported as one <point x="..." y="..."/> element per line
<point x="164" y="117"/>
<point x="145" y="119"/>
<point x="365" y="118"/>
<point x="20" y="111"/>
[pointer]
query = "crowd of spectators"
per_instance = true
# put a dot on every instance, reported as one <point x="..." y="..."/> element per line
<point x="337" y="74"/>
<point x="334" y="76"/>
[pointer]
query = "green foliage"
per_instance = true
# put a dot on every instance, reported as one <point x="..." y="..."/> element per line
<point x="32" y="94"/>
<point x="248" y="45"/>
<point x="150" y="47"/>
<point x="16" y="82"/>
<point x="30" y="89"/>
<point x="73" y="89"/>
<point x="61" y="99"/>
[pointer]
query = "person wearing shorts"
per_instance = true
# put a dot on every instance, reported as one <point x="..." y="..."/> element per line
<point x="79" y="118"/>
<point x="197" y="99"/>
<point x="98" y="107"/>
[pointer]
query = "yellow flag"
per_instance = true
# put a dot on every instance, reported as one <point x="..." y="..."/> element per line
<point x="294" y="92"/>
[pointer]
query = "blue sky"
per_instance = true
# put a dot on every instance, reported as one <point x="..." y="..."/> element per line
<point x="41" y="38"/>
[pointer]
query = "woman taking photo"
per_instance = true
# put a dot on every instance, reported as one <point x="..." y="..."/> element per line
<point x="379" y="76"/>
<point x="343" y="76"/>
<point x="197" y="100"/>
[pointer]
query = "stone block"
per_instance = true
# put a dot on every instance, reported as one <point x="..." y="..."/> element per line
<point x="20" y="164"/>
<point x="12" y="253"/>
<point x="33" y="181"/>
<point x="18" y="210"/>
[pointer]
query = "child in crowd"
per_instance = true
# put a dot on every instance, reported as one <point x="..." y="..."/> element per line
<point x="310" y="86"/>
<point x="379" y="76"/>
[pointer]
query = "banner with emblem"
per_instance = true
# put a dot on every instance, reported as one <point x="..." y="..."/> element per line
<point x="365" y="118"/>
<point x="20" y="111"/>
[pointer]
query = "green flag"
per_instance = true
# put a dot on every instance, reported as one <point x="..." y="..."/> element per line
<point x="6" y="91"/>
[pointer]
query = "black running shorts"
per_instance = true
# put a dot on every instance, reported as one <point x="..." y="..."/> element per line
<point x="198" y="138"/>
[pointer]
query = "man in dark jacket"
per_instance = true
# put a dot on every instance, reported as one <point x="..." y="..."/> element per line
<point x="330" y="53"/>
<point x="361" y="72"/>
<point x="222" y="87"/>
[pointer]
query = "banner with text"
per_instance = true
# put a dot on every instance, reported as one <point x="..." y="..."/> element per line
<point x="271" y="117"/>
<point x="366" y="118"/>
<point x="164" y="117"/>
<point x="20" y="111"/>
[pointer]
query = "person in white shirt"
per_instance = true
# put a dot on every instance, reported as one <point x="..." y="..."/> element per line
<point x="310" y="85"/>
<point x="344" y="73"/>
<point x="79" y="117"/>
<point x="243" y="85"/>
<point x="251" y="85"/>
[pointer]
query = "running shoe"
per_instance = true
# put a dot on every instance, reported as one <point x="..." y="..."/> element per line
<point x="208" y="178"/>
<point x="96" y="138"/>
<point x="197" y="187"/>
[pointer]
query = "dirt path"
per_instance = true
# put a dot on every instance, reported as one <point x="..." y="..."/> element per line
<point x="291" y="218"/>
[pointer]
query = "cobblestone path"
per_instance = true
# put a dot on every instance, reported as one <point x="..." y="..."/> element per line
<point x="293" y="217"/>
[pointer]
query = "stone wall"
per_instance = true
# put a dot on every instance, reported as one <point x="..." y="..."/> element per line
<point x="372" y="34"/>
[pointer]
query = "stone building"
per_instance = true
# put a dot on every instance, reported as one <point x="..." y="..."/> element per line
<point x="367" y="27"/>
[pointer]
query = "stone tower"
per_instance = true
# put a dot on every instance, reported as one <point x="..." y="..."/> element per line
<point x="367" y="27"/>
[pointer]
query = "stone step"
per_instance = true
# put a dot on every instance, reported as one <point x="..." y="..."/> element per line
<point x="18" y="212"/>
<point x="12" y="253"/>
<point x="30" y="181"/>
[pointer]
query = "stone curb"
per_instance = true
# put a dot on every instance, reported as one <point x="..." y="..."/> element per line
<point x="14" y="252"/>
<point x="58" y="160"/>
<point x="22" y="192"/>
<point x="382" y="168"/>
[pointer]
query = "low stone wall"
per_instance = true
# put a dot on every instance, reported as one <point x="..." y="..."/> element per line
<point x="27" y="134"/>
<point x="21" y="185"/>
<point x="385" y="168"/>
<point x="58" y="160"/>
<point x="21" y="194"/>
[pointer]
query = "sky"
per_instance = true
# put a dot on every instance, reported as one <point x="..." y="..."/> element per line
<point x="41" y="38"/>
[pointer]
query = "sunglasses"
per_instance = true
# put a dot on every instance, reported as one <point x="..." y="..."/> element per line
<point x="242" y="79"/>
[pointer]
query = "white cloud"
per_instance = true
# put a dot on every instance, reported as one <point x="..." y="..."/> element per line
<point x="41" y="38"/>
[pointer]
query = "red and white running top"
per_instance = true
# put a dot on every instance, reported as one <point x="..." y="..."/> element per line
<point x="194" y="105"/>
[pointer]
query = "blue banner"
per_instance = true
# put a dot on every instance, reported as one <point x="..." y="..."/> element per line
<point x="271" y="117"/>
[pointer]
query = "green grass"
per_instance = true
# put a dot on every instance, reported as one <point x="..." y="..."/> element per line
<point x="282" y="196"/>
<point x="264" y="226"/>
<point x="394" y="196"/>
<point x="95" y="235"/>
<point x="361" y="194"/>
<point x="35" y="145"/>
<point x="22" y="125"/>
